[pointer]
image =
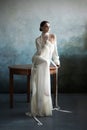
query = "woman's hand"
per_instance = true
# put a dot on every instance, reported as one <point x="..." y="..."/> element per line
<point x="58" y="66"/>
<point x="50" y="37"/>
<point x="46" y="38"/>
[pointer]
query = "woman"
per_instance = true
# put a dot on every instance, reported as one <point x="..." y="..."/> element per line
<point x="41" y="103"/>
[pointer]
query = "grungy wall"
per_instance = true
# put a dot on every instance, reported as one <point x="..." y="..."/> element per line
<point x="19" y="26"/>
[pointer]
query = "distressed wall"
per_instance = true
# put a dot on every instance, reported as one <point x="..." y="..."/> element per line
<point x="19" y="26"/>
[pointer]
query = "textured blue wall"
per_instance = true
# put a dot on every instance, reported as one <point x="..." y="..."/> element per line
<point x="19" y="26"/>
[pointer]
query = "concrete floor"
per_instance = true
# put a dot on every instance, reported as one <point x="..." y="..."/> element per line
<point x="71" y="116"/>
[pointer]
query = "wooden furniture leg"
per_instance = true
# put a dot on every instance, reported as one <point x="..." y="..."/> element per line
<point x="28" y="88"/>
<point x="11" y="88"/>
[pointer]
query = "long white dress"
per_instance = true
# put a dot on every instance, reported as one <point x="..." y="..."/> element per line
<point x="41" y="102"/>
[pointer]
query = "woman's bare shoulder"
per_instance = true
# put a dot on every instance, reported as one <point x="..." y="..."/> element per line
<point x="53" y="36"/>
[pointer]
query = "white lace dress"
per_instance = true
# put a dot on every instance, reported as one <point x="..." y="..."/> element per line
<point x="41" y="103"/>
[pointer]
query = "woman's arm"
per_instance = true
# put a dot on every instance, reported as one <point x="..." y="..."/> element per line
<point x="41" y="49"/>
<point x="55" y="55"/>
<point x="38" y="46"/>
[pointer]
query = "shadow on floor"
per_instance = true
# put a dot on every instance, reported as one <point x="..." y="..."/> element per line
<point x="71" y="116"/>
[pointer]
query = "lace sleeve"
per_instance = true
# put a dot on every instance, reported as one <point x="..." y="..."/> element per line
<point x="55" y="55"/>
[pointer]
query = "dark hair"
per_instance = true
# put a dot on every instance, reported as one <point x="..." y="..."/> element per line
<point x="42" y="24"/>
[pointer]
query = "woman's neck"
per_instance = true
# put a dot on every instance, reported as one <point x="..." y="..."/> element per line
<point x="45" y="34"/>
